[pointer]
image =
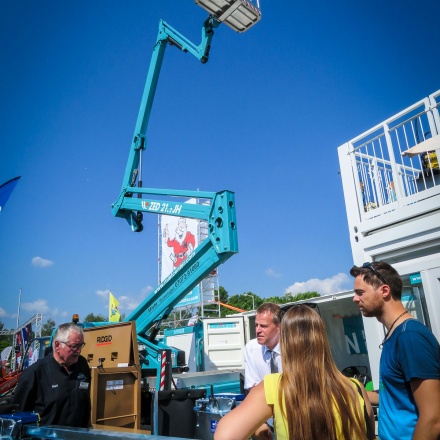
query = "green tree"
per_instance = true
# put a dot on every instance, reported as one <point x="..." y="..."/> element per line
<point x="237" y="301"/>
<point x="5" y="340"/>
<point x="288" y="297"/>
<point x="95" y="318"/>
<point x="244" y="301"/>
<point x="302" y="296"/>
<point x="48" y="328"/>
<point x="223" y="294"/>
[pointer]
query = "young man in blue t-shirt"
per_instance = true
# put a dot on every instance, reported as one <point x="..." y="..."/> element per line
<point x="409" y="373"/>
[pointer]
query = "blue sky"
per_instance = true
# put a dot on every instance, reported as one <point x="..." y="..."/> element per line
<point x="262" y="118"/>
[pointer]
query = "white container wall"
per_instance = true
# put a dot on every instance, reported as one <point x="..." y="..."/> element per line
<point x="391" y="182"/>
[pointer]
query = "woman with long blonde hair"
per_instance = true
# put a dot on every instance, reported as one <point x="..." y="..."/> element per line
<point x="311" y="399"/>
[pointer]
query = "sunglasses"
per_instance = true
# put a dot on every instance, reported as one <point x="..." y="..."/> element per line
<point x="368" y="265"/>
<point x="308" y="304"/>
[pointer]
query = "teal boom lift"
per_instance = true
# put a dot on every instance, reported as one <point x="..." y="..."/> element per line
<point x="135" y="200"/>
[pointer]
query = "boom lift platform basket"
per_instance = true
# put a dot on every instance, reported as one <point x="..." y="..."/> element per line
<point x="239" y="15"/>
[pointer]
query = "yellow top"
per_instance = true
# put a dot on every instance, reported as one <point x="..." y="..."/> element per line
<point x="271" y="385"/>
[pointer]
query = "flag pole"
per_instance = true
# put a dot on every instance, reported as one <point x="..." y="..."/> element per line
<point x="18" y="314"/>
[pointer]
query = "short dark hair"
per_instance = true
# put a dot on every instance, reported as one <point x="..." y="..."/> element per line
<point x="386" y="272"/>
<point x="273" y="309"/>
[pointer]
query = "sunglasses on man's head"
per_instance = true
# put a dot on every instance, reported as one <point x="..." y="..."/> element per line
<point x="368" y="265"/>
<point x="308" y="304"/>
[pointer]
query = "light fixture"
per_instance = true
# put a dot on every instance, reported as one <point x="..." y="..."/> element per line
<point x="253" y="299"/>
<point x="239" y="15"/>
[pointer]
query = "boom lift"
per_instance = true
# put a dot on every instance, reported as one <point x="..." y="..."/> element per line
<point x="135" y="200"/>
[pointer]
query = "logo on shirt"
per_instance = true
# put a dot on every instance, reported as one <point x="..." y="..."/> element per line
<point x="55" y="386"/>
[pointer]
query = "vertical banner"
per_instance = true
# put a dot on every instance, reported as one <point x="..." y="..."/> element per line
<point x="179" y="238"/>
<point x="113" y="312"/>
<point x="18" y="349"/>
<point x="6" y="190"/>
<point x="26" y="337"/>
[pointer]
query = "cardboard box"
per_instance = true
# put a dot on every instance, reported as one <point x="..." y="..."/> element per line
<point x="116" y="397"/>
<point x="112" y="345"/>
<point x="112" y="353"/>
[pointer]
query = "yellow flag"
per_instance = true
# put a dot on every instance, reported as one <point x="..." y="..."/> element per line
<point x="113" y="311"/>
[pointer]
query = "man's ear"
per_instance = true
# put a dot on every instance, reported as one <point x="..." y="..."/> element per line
<point x="386" y="291"/>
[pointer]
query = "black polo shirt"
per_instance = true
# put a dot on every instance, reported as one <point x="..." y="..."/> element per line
<point x="60" y="397"/>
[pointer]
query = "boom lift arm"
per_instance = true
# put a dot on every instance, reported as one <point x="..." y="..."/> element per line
<point x="220" y="215"/>
<point x="126" y="206"/>
<point x="220" y="245"/>
<point x="239" y="15"/>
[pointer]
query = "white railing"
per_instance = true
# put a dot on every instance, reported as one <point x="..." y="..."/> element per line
<point x="386" y="179"/>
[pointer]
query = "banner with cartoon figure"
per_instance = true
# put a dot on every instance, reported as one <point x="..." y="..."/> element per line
<point x="113" y="312"/>
<point x="179" y="238"/>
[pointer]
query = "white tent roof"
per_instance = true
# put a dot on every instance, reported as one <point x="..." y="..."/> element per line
<point x="427" y="145"/>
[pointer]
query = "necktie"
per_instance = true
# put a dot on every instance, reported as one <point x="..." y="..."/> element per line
<point x="273" y="364"/>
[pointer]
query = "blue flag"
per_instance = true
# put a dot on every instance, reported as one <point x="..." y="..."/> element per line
<point x="6" y="190"/>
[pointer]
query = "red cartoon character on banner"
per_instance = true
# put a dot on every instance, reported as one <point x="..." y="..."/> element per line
<point x="183" y="243"/>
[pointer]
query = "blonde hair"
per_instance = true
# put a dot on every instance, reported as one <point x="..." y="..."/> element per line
<point x="314" y="394"/>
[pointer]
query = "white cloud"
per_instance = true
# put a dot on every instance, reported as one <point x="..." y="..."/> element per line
<point x="336" y="283"/>
<point x="126" y="303"/>
<point x="58" y="313"/>
<point x="38" y="306"/>
<point x="146" y="291"/>
<point x="58" y="316"/>
<point x="103" y="293"/>
<point x="55" y="315"/>
<point x="41" y="262"/>
<point x="3" y="313"/>
<point x="129" y="303"/>
<point x="272" y="274"/>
